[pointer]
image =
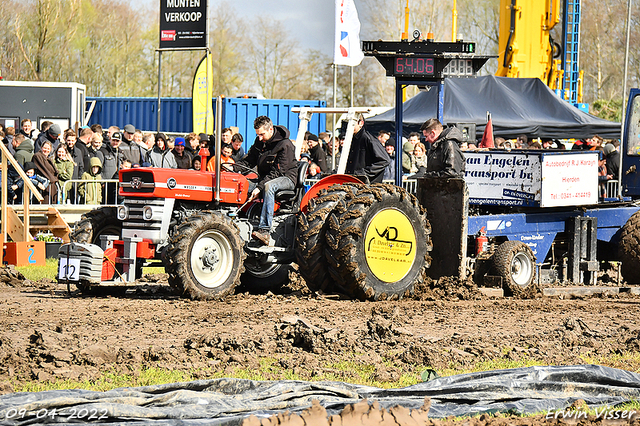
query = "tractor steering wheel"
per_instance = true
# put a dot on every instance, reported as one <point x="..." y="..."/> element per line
<point x="232" y="166"/>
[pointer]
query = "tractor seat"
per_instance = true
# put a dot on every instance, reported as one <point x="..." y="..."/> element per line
<point x="290" y="199"/>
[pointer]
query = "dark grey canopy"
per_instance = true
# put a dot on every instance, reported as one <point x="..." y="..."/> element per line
<point x="517" y="106"/>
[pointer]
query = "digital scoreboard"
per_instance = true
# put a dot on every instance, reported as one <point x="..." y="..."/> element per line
<point x="426" y="60"/>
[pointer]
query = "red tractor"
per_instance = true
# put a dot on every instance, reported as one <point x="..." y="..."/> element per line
<point x="370" y="241"/>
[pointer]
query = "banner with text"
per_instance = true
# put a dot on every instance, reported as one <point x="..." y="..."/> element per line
<point x="570" y="180"/>
<point x="503" y="179"/>
<point x="183" y="24"/>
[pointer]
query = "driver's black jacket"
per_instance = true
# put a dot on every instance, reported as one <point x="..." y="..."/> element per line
<point x="273" y="158"/>
<point x="445" y="159"/>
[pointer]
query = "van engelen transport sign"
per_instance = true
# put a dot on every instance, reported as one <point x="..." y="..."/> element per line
<point x="183" y="24"/>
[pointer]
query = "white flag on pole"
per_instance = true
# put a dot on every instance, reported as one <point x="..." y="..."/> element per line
<point x="347" y="48"/>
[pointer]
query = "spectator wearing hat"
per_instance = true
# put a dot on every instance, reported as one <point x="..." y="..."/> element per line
<point x="50" y="134"/>
<point x="130" y="150"/>
<point x="183" y="158"/>
<point x="612" y="156"/>
<point x="316" y="152"/>
<point x="111" y="157"/>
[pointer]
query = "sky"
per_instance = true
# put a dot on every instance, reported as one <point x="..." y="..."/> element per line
<point x="310" y="22"/>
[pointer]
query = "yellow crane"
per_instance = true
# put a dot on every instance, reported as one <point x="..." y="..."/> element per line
<point x="527" y="50"/>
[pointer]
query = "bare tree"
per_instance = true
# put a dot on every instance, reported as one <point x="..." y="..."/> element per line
<point x="272" y="52"/>
<point x="227" y="50"/>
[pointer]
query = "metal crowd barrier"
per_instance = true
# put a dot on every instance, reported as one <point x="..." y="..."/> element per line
<point x="68" y="192"/>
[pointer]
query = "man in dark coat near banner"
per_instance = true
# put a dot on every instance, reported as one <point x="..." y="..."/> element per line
<point x="445" y="159"/>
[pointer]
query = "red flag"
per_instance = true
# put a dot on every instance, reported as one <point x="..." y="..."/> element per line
<point x="487" y="136"/>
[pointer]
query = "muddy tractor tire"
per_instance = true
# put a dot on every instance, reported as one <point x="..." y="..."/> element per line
<point x="378" y="243"/>
<point x="101" y="221"/>
<point x="629" y="249"/>
<point x="310" y="237"/>
<point x="516" y="264"/>
<point x="205" y="257"/>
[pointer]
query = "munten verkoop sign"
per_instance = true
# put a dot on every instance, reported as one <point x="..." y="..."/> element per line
<point x="183" y="24"/>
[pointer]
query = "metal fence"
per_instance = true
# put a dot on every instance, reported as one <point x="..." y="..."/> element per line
<point x="69" y="192"/>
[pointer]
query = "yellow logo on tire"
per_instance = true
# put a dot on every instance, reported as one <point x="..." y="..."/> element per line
<point x="390" y="245"/>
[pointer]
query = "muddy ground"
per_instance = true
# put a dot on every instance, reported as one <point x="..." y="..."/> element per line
<point x="47" y="334"/>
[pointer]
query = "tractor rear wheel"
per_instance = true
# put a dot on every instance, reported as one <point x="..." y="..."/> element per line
<point x="378" y="243"/>
<point x="205" y="256"/>
<point x="629" y="249"/>
<point x="310" y="237"/>
<point x="97" y="222"/>
<point x="515" y="262"/>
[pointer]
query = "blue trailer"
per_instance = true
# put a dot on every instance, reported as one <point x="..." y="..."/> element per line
<point x="538" y="217"/>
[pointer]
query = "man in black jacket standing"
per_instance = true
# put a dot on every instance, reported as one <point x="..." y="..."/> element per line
<point x="273" y="154"/>
<point x="367" y="156"/>
<point x="445" y="159"/>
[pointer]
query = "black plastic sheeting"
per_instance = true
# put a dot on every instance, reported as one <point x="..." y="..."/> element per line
<point x="229" y="401"/>
<point x="517" y="106"/>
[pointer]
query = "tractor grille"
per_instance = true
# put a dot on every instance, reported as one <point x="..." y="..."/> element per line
<point x="137" y="181"/>
<point x="137" y="226"/>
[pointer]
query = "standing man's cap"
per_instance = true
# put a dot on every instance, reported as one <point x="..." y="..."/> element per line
<point x="129" y="128"/>
<point x="116" y="135"/>
<point x="179" y="141"/>
<point x="54" y="130"/>
<point x="609" y="148"/>
<point x="312" y="137"/>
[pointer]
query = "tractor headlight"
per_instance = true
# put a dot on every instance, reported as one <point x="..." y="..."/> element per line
<point x="147" y="213"/>
<point x="123" y="212"/>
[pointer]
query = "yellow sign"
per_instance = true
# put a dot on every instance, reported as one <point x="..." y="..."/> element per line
<point x="390" y="245"/>
<point x="202" y="93"/>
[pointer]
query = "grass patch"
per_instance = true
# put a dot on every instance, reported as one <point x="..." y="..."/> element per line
<point x="35" y="273"/>
<point x="112" y="380"/>
<point x="629" y="361"/>
<point x="50" y="270"/>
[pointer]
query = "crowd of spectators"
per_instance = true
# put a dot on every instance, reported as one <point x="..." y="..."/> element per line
<point x="76" y="165"/>
<point x="80" y="166"/>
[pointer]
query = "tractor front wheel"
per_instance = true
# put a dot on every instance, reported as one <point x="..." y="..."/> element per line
<point x="205" y="256"/>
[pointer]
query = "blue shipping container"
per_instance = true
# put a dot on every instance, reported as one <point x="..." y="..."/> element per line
<point x="240" y="112"/>
<point x="176" y="114"/>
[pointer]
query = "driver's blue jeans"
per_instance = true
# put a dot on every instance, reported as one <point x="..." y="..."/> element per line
<point x="269" y="198"/>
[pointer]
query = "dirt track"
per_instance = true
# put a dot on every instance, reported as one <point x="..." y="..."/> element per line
<point x="47" y="334"/>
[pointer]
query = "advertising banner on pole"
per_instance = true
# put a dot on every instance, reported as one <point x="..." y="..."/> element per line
<point x="183" y="24"/>
<point x="201" y="97"/>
